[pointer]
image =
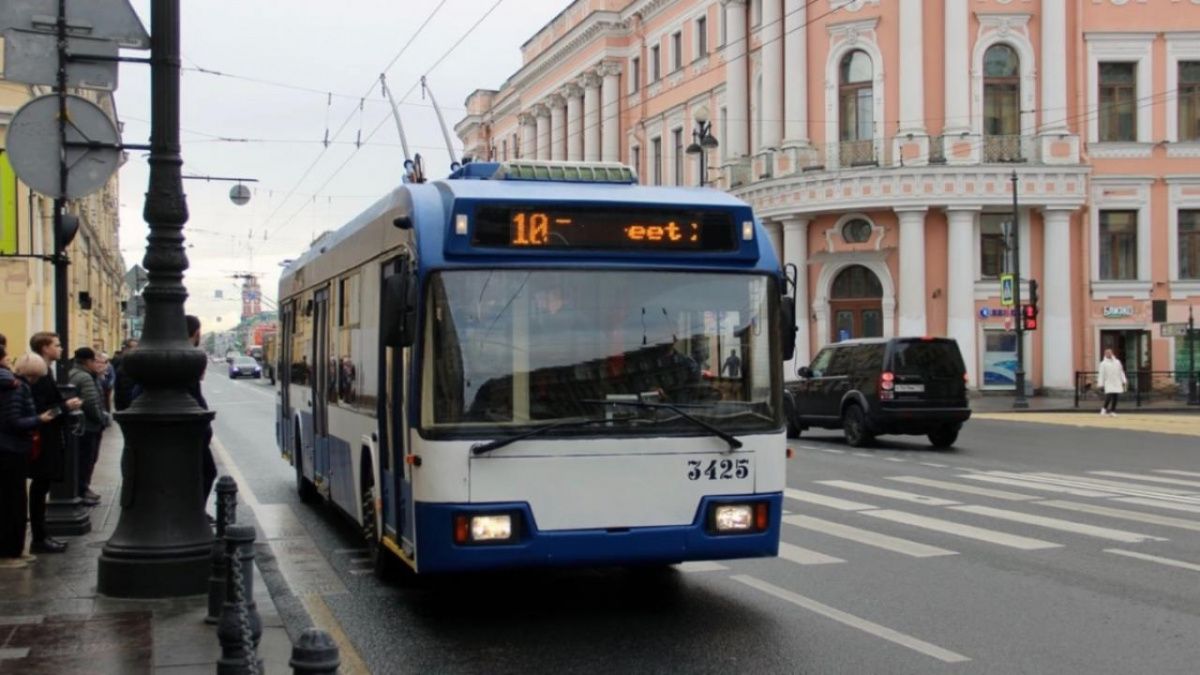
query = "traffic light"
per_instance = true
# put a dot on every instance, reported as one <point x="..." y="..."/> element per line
<point x="1030" y="310"/>
<point x="1033" y="295"/>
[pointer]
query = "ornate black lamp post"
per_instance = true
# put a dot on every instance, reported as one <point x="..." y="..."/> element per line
<point x="702" y="141"/>
<point x="162" y="543"/>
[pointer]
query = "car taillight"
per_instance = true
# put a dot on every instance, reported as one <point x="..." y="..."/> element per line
<point x="887" y="385"/>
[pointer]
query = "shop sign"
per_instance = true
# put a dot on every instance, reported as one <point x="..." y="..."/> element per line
<point x="1118" y="311"/>
<point x="996" y="312"/>
<point x="1173" y="330"/>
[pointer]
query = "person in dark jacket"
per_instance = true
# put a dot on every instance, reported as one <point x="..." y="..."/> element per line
<point x="123" y="384"/>
<point x="210" y="466"/>
<point x="83" y="378"/>
<point x="18" y="421"/>
<point x="51" y="463"/>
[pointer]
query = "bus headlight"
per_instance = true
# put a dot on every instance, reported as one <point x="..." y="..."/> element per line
<point x="483" y="529"/>
<point x="739" y="518"/>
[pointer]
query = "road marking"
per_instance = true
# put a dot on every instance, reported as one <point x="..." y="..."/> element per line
<point x="1133" y="489"/>
<point x="1177" y="472"/>
<point x="694" y="566"/>
<point x="894" y="459"/>
<point x="936" y="465"/>
<point x="804" y="556"/>
<point x="1159" y="504"/>
<point x="832" y="451"/>
<point x="1146" y="477"/>
<point x="360" y="572"/>
<point x="961" y="530"/>
<point x="1139" y="516"/>
<point x="823" y="500"/>
<point x="1033" y="485"/>
<point x="895" y="544"/>
<point x="853" y="621"/>
<point x="863" y="454"/>
<point x="968" y="489"/>
<point x="1153" y="558"/>
<point x="322" y="617"/>
<point x="244" y="490"/>
<point x="886" y="492"/>
<point x="1058" y="524"/>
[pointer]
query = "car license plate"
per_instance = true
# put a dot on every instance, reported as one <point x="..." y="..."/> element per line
<point x="910" y="388"/>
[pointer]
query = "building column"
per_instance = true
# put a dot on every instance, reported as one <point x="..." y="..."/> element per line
<point x="958" y="60"/>
<point x="795" y="59"/>
<point x="737" y="94"/>
<point x="1053" y="66"/>
<point x="912" y="69"/>
<point x="1058" y="353"/>
<point x="591" y="116"/>
<point x="528" y="136"/>
<point x="771" y="133"/>
<point x="912" y="272"/>
<point x="795" y="252"/>
<point x="960" y="286"/>
<point x="610" y="111"/>
<point x="558" y="127"/>
<point x="572" y="92"/>
<point x="543" y="131"/>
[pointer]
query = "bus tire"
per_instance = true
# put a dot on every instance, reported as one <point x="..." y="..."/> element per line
<point x="304" y="487"/>
<point x="383" y="562"/>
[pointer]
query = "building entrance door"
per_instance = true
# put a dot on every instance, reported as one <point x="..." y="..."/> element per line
<point x="856" y="305"/>
<point x="1132" y="348"/>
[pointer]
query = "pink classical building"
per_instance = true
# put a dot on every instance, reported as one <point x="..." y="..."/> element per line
<point x="878" y="140"/>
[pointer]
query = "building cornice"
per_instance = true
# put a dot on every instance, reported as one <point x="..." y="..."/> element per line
<point x="583" y="34"/>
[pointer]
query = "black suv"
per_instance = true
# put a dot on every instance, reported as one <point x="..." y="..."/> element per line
<point x="904" y="385"/>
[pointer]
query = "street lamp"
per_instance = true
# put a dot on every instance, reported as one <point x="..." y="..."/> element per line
<point x="162" y="544"/>
<point x="702" y="141"/>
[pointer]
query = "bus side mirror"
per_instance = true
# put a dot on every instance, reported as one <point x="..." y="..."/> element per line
<point x="787" y="326"/>
<point x="400" y="308"/>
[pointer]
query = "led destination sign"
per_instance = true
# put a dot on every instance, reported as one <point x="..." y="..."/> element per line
<point x="614" y="229"/>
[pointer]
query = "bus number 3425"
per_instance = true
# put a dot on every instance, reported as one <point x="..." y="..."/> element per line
<point x="718" y="469"/>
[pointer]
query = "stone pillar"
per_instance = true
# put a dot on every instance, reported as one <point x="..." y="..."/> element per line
<point x="771" y="115"/>
<point x="573" y="94"/>
<point x="528" y="136"/>
<point x="558" y="127"/>
<point x="737" y="93"/>
<point x="543" y="131"/>
<point x="591" y="116"/>
<point x="1053" y="66"/>
<point x="795" y="252"/>
<point x="912" y="69"/>
<point x="795" y="58"/>
<point x="1058" y="353"/>
<point x="610" y="112"/>
<point x="960" y="286"/>
<point x="958" y="60"/>
<point x="912" y="272"/>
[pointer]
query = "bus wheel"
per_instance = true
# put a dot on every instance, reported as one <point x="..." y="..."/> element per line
<point x="304" y="487"/>
<point x="383" y="561"/>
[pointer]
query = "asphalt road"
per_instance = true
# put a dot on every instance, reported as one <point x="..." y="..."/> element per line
<point x="1028" y="549"/>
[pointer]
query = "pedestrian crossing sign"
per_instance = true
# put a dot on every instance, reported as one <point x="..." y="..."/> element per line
<point x="1006" y="290"/>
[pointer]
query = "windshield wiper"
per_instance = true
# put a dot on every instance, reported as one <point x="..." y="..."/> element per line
<point x="734" y="443"/>
<point x="481" y="448"/>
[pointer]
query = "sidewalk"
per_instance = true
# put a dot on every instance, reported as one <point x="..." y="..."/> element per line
<point x="1065" y="404"/>
<point x="52" y="620"/>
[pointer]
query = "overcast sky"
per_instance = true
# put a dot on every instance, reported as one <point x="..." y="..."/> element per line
<point x="313" y="48"/>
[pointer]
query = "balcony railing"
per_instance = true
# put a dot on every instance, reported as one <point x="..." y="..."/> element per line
<point x="1003" y="148"/>
<point x="857" y="153"/>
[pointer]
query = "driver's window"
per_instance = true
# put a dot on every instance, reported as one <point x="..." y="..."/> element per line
<point x="821" y="363"/>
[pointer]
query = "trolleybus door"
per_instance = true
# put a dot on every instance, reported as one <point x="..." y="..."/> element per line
<point x="397" y="493"/>
<point x="282" y="366"/>
<point x="321" y="381"/>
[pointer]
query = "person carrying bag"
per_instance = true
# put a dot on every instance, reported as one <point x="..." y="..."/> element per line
<point x="1111" y="378"/>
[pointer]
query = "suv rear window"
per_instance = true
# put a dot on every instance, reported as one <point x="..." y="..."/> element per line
<point x="936" y="358"/>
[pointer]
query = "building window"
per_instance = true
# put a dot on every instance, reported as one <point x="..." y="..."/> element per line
<point x="636" y="157"/>
<point x="635" y="75"/>
<point x="1118" y="245"/>
<point x="1001" y="104"/>
<point x="656" y="149"/>
<point x="677" y="146"/>
<point x="1118" y="102"/>
<point x="701" y="37"/>
<point x="722" y="27"/>
<point x="856" y="231"/>
<point x="516" y="145"/>
<point x="856" y="109"/>
<point x="1189" y="100"/>
<point x="677" y="51"/>
<point x="992" y="251"/>
<point x="504" y="150"/>
<point x="655" y="64"/>
<point x="1189" y="244"/>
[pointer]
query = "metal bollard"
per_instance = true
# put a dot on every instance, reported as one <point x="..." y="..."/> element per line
<point x="315" y="653"/>
<point x="226" y="515"/>
<point x="240" y="628"/>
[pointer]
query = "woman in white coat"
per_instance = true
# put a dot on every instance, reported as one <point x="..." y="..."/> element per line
<point x="1111" y="379"/>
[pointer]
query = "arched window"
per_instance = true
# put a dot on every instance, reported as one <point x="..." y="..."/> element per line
<point x="856" y="107"/>
<point x="1002" y="104"/>
<point x="855" y="283"/>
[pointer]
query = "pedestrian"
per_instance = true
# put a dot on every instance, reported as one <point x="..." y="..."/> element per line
<point x="50" y="464"/>
<point x="19" y="421"/>
<point x="210" y="466"/>
<point x="732" y="365"/>
<point x="1111" y="378"/>
<point x="83" y="378"/>
<point x="124" y="384"/>
<point x="106" y="377"/>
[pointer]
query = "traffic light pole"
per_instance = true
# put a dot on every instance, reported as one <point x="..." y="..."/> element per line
<point x="1019" y="401"/>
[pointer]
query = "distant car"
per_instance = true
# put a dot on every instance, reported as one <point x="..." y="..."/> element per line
<point x="244" y="366"/>
<point x="870" y="387"/>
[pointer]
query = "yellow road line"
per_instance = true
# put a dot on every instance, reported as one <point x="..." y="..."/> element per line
<point x="1178" y="425"/>
<point x="352" y="663"/>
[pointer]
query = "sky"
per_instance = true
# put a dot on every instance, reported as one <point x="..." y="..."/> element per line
<point x="293" y="73"/>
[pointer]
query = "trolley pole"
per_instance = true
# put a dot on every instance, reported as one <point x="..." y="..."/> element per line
<point x="1019" y="401"/>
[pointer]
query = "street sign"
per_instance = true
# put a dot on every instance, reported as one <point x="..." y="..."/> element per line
<point x="32" y="58"/>
<point x="112" y="20"/>
<point x="1173" y="330"/>
<point x="36" y="151"/>
<point x="1006" y="290"/>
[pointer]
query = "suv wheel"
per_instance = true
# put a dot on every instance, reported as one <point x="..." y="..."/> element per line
<point x="944" y="437"/>
<point x="854" y="424"/>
